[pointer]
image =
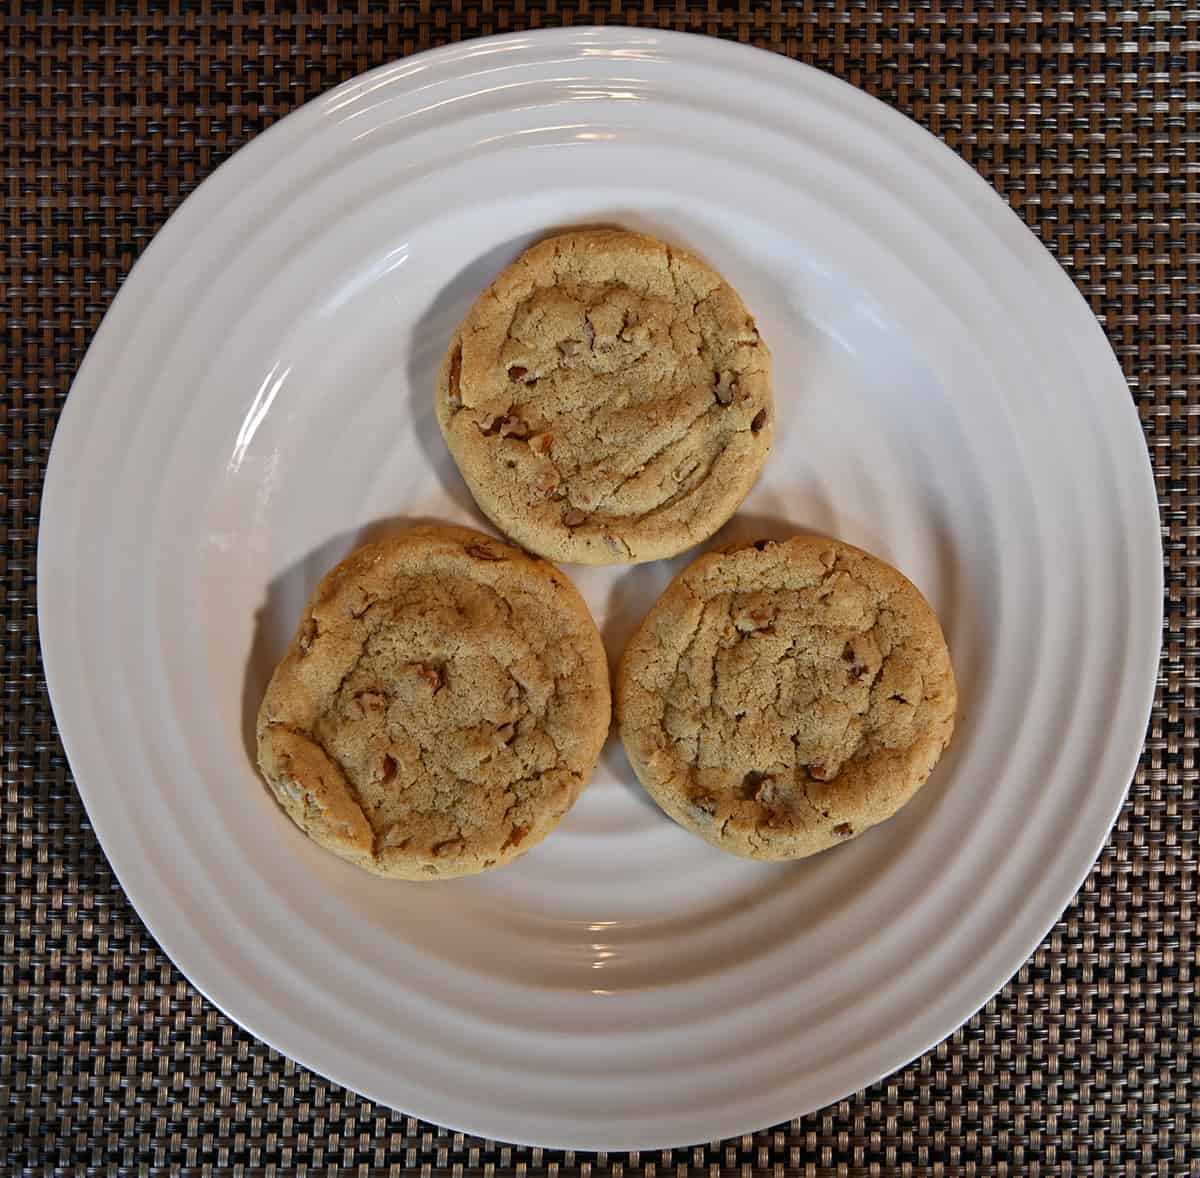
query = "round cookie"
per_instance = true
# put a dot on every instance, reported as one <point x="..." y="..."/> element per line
<point x="607" y="399"/>
<point x="442" y="705"/>
<point x="781" y="698"/>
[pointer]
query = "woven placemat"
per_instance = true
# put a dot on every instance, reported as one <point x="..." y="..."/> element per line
<point x="1084" y="119"/>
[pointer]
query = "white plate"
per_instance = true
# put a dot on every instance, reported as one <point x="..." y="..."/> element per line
<point x="259" y="399"/>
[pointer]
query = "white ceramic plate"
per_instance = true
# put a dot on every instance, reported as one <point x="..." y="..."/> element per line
<point x="259" y="399"/>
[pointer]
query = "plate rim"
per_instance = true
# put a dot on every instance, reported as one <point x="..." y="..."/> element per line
<point x="670" y="44"/>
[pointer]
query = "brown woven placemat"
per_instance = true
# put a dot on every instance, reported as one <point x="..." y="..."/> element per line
<point x="1084" y="118"/>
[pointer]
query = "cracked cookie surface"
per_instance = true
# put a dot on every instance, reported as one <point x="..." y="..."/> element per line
<point x="441" y="707"/>
<point x="607" y="399"/>
<point x="782" y="697"/>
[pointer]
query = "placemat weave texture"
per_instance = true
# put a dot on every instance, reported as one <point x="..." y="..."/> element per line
<point x="1083" y="117"/>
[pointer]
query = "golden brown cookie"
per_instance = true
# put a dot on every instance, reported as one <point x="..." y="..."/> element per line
<point x="442" y="705"/>
<point x="607" y="399"/>
<point x="781" y="698"/>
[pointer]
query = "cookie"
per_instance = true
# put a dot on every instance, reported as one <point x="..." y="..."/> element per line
<point x="781" y="698"/>
<point x="441" y="707"/>
<point x="607" y="399"/>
